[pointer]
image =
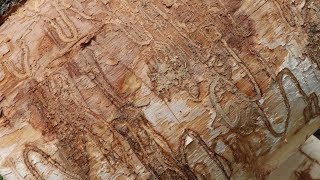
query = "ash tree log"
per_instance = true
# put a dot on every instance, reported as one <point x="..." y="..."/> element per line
<point x="156" y="89"/>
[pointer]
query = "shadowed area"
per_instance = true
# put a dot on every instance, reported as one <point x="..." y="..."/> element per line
<point x="317" y="134"/>
<point x="7" y="7"/>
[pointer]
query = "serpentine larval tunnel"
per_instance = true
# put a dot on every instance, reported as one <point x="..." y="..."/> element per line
<point x="159" y="89"/>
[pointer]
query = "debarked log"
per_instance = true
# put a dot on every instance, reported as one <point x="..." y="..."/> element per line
<point x="156" y="89"/>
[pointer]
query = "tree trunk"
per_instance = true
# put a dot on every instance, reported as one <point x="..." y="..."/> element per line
<point x="304" y="164"/>
<point x="156" y="89"/>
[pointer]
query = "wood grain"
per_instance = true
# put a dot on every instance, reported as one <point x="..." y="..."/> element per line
<point x="157" y="89"/>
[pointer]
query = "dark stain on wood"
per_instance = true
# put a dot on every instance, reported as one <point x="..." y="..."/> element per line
<point x="7" y="7"/>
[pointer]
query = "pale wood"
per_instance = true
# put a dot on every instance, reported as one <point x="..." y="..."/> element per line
<point x="303" y="164"/>
<point x="157" y="89"/>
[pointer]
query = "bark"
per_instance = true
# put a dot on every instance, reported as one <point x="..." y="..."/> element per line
<point x="156" y="89"/>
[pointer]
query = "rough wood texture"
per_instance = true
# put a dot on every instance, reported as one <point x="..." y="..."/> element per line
<point x="157" y="89"/>
<point x="302" y="165"/>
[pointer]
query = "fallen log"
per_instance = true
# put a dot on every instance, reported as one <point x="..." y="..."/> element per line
<point x="170" y="89"/>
